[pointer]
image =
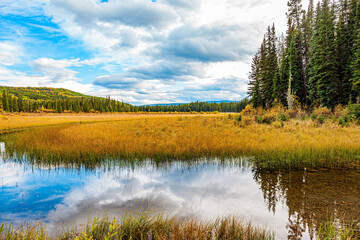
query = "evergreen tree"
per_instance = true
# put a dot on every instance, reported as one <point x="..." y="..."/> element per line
<point x="307" y="32"/>
<point x="295" y="49"/>
<point x="5" y="101"/>
<point x="296" y="83"/>
<point x="20" y="103"/>
<point x="355" y="80"/>
<point x="344" y="44"/>
<point x="254" y="85"/>
<point x="323" y="72"/>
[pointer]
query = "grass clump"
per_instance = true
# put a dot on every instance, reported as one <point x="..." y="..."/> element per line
<point x="146" y="227"/>
<point x="23" y="232"/>
<point x="334" y="230"/>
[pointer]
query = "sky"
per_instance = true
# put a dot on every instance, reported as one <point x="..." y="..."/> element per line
<point x="137" y="51"/>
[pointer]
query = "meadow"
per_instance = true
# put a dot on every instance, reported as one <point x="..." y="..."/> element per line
<point x="290" y="144"/>
<point x="13" y="122"/>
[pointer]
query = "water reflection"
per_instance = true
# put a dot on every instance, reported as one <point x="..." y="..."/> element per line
<point x="289" y="203"/>
<point x="312" y="197"/>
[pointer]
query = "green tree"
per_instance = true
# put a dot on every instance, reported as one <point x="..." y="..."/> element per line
<point x="323" y="68"/>
<point x="20" y="103"/>
<point x="355" y="80"/>
<point x="5" y="101"/>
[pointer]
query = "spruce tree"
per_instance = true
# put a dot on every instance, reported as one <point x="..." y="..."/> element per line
<point x="20" y="103"/>
<point x="295" y="41"/>
<point x="323" y="72"/>
<point x="355" y="80"/>
<point x="344" y="42"/>
<point x="254" y="84"/>
<point x="5" y="101"/>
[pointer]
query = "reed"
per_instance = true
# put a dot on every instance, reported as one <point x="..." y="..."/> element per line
<point x="144" y="226"/>
<point x="333" y="230"/>
<point x="292" y="145"/>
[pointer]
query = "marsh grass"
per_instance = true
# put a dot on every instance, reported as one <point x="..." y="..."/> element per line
<point x="144" y="226"/>
<point x="332" y="229"/>
<point x="23" y="232"/>
<point x="295" y="145"/>
<point x="14" y="122"/>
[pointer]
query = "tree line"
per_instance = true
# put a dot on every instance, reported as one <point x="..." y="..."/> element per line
<point x="316" y="63"/>
<point x="198" y="107"/>
<point x="12" y="103"/>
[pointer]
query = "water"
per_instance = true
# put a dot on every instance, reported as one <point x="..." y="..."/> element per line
<point x="287" y="203"/>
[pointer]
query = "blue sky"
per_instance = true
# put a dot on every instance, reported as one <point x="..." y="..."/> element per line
<point x="138" y="51"/>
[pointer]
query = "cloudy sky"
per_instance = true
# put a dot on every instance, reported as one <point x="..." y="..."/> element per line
<point x="138" y="51"/>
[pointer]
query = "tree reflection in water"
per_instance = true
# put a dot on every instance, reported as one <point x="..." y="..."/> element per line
<point x="312" y="197"/>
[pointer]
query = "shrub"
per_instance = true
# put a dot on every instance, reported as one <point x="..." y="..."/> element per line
<point x="324" y="111"/>
<point x="268" y="118"/>
<point x="278" y="124"/>
<point x="246" y="120"/>
<point x="313" y="116"/>
<point x="339" y="110"/>
<point x="321" y="119"/>
<point x="238" y="118"/>
<point x="282" y="117"/>
<point x="248" y="110"/>
<point x="344" y="121"/>
<point x="354" y="111"/>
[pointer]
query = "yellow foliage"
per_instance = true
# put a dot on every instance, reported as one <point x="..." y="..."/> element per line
<point x="322" y="111"/>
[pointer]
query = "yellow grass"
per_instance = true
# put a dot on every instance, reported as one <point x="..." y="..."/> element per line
<point x="144" y="227"/>
<point x="163" y="137"/>
<point x="20" y="121"/>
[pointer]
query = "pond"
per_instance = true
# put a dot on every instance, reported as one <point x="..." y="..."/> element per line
<point x="289" y="203"/>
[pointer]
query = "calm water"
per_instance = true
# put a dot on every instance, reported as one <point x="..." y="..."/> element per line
<point x="287" y="203"/>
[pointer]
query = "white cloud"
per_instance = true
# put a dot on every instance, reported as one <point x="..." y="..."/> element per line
<point x="10" y="53"/>
<point x="20" y="79"/>
<point x="153" y="52"/>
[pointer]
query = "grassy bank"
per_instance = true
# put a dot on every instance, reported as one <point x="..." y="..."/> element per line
<point x="145" y="227"/>
<point x="290" y="144"/>
<point x="162" y="227"/>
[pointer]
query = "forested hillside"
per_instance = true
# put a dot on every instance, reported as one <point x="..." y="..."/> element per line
<point x="42" y="93"/>
<point x="17" y="99"/>
<point x="317" y="61"/>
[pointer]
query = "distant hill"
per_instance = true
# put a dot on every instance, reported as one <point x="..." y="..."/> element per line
<point x="43" y="93"/>
<point x="34" y="99"/>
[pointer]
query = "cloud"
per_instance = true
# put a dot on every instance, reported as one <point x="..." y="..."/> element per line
<point x="138" y="51"/>
<point x="56" y="70"/>
<point x="10" y="53"/>
<point x="23" y="8"/>
<point x="210" y="43"/>
<point x="139" y="13"/>
<point x="9" y="77"/>
<point x="176" y="189"/>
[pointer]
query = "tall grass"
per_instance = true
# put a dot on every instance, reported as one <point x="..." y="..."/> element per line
<point x="23" y="232"/>
<point x="11" y="122"/>
<point x="144" y="226"/>
<point x="295" y="145"/>
<point x="330" y="230"/>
